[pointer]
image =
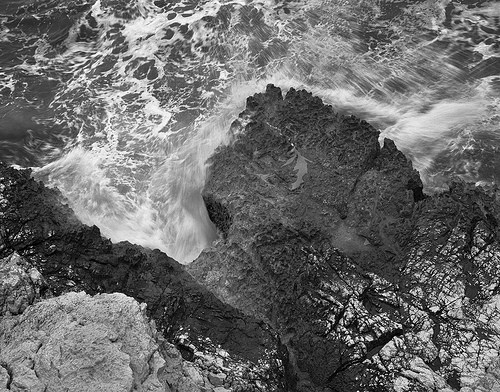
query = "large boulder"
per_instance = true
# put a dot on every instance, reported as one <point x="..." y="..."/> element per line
<point x="370" y="284"/>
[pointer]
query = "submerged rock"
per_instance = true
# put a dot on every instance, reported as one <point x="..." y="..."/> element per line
<point x="370" y="284"/>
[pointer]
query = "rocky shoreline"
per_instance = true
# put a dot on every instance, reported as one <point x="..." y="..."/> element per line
<point x="42" y="237"/>
<point x="333" y="272"/>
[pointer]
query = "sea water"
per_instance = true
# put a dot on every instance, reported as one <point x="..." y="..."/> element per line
<point x="119" y="103"/>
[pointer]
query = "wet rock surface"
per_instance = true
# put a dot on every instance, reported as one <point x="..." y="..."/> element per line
<point x="328" y="237"/>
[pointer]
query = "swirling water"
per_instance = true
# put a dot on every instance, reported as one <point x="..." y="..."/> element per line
<point x="119" y="103"/>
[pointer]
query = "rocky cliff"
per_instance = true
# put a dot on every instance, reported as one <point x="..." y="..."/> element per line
<point x="76" y="342"/>
<point x="328" y="237"/>
<point x="333" y="270"/>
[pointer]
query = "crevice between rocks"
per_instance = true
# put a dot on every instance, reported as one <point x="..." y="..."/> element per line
<point x="218" y="214"/>
<point x="10" y="373"/>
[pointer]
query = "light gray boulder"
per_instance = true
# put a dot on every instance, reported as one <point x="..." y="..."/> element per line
<point x="81" y="343"/>
<point x="19" y="284"/>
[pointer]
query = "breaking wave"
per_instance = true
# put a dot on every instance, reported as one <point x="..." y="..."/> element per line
<point x="119" y="103"/>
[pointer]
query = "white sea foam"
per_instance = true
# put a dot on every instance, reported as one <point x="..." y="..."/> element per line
<point x="423" y="135"/>
<point x="137" y="164"/>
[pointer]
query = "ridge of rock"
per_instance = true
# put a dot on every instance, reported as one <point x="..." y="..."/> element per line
<point x="329" y="238"/>
<point x="333" y="271"/>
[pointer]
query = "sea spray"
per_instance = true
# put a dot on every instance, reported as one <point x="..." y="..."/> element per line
<point x="130" y="98"/>
<point x="167" y="212"/>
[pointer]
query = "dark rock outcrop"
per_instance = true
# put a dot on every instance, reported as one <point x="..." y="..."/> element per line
<point x="346" y="276"/>
<point x="71" y="256"/>
<point x="330" y="239"/>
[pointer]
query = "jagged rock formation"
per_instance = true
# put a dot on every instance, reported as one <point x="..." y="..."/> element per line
<point x="76" y="342"/>
<point x="370" y="285"/>
<point x="71" y="256"/>
<point x="346" y="276"/>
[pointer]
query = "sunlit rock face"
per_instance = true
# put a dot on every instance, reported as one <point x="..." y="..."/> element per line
<point x="333" y="271"/>
<point x="80" y="343"/>
<point x="370" y="284"/>
<point x="20" y="284"/>
<point x="77" y="342"/>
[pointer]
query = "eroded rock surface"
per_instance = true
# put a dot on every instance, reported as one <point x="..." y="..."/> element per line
<point x="346" y="276"/>
<point x="20" y="284"/>
<point x="76" y="342"/>
<point x="371" y="285"/>
<point x="37" y="225"/>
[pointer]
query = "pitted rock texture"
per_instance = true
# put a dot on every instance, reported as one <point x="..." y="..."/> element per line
<point x="20" y="284"/>
<point x="80" y="343"/>
<point x="370" y="284"/>
<point x="35" y="223"/>
<point x="76" y="342"/>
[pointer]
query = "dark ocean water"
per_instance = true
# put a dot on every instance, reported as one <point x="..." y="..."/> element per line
<point x="120" y="102"/>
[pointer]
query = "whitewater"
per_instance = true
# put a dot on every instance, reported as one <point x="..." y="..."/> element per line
<point x="119" y="103"/>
